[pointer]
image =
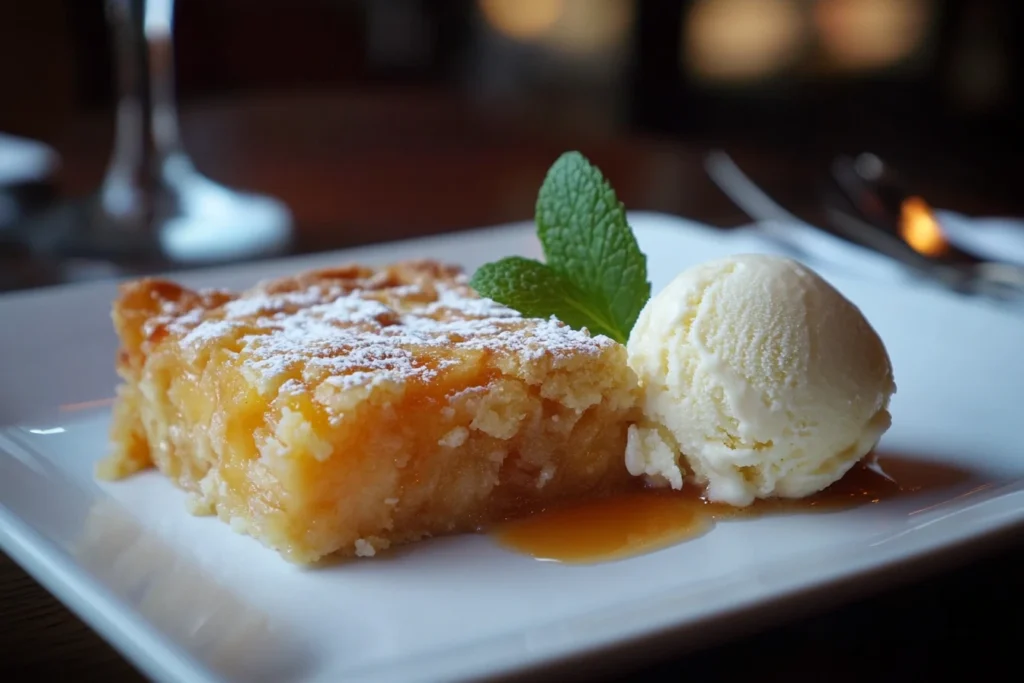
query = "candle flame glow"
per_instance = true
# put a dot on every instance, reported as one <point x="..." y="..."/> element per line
<point x="920" y="229"/>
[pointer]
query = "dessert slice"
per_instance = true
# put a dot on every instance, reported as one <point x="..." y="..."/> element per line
<point x="346" y="410"/>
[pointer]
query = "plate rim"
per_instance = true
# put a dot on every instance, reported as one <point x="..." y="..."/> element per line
<point x="77" y="589"/>
<point x="161" y="657"/>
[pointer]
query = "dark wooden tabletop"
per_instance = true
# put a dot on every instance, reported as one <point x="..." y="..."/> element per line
<point x="362" y="169"/>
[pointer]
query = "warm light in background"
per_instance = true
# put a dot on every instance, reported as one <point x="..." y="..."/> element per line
<point x="742" y="40"/>
<point x="521" y="19"/>
<point x="864" y="34"/>
<point x="573" y="26"/>
<point x="590" y="26"/>
<point x="919" y="229"/>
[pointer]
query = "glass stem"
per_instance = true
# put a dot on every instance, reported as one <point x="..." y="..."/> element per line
<point x="158" y="23"/>
<point x="146" y="133"/>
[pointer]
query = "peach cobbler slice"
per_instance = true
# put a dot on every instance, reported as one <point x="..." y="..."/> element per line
<point x="346" y="410"/>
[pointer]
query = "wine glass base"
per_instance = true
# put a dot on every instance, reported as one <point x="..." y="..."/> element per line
<point x="205" y="224"/>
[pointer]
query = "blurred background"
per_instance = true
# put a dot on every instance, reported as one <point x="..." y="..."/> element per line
<point x="380" y="119"/>
<point x="376" y="120"/>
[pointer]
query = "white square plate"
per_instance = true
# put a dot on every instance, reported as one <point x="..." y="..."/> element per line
<point x="188" y="599"/>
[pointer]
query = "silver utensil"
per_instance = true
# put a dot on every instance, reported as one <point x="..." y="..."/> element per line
<point x="964" y="274"/>
<point x="753" y="201"/>
<point x="872" y="207"/>
<point x="791" y="234"/>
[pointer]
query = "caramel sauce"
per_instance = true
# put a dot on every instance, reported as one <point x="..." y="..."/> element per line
<point x="608" y="528"/>
<point x="632" y="523"/>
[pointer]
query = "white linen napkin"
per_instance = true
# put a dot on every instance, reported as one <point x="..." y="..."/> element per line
<point x="997" y="238"/>
<point x="23" y="160"/>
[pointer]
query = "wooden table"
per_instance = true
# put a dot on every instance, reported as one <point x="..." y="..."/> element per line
<point x="366" y="169"/>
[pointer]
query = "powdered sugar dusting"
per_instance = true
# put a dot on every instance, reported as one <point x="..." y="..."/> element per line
<point x="210" y="330"/>
<point x="292" y="386"/>
<point x="457" y="302"/>
<point x="267" y="305"/>
<point x="351" y="338"/>
<point x="353" y="310"/>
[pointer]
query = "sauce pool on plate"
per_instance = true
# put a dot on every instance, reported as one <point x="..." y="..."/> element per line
<point x="636" y="522"/>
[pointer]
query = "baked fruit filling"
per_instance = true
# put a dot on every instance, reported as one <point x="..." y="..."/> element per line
<point x="345" y="410"/>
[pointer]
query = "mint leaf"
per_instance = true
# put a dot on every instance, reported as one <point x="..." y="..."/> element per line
<point x="537" y="291"/>
<point x="587" y="241"/>
<point x="595" y="275"/>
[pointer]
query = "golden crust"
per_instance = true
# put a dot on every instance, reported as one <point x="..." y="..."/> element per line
<point x="348" y="409"/>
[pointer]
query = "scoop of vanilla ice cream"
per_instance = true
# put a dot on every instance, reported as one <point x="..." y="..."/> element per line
<point x="761" y="376"/>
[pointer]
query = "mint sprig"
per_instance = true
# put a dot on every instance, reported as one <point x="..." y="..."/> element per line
<point x="537" y="291"/>
<point x="595" y="275"/>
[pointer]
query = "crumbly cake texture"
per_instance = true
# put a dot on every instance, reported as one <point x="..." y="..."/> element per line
<point x="345" y="410"/>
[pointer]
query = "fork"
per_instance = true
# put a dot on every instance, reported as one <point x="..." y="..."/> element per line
<point x="856" y="211"/>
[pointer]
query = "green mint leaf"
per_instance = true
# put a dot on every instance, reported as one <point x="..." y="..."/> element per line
<point x="537" y="291"/>
<point x="587" y="241"/>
